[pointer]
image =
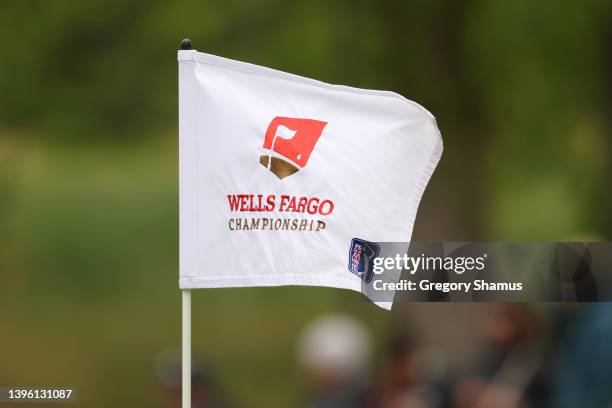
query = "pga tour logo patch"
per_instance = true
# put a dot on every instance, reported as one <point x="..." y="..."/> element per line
<point x="361" y="258"/>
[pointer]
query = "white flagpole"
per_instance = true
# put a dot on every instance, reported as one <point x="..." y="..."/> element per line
<point x="186" y="376"/>
<point x="186" y="321"/>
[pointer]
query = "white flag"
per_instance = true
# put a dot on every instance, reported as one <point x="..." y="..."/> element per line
<point x="285" y="180"/>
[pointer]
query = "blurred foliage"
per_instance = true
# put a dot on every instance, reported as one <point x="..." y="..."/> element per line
<point x="88" y="173"/>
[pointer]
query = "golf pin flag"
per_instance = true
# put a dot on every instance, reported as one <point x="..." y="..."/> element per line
<point x="286" y="180"/>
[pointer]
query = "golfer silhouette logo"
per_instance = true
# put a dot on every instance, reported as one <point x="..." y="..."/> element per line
<point x="288" y="144"/>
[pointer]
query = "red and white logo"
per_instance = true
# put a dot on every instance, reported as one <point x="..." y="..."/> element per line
<point x="289" y="143"/>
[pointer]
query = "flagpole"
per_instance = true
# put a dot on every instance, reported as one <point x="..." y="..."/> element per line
<point x="186" y="321"/>
<point x="186" y="376"/>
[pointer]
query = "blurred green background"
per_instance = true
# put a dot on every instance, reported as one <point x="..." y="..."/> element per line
<point x="89" y="295"/>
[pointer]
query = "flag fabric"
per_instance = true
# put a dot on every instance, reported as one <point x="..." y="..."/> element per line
<point x="286" y="180"/>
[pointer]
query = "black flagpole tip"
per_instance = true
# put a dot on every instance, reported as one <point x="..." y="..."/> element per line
<point x="186" y="44"/>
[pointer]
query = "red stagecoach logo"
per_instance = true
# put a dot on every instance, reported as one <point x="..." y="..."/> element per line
<point x="289" y="143"/>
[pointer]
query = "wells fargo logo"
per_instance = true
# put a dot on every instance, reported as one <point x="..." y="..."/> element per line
<point x="289" y="142"/>
<point x="287" y="146"/>
<point x="287" y="212"/>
